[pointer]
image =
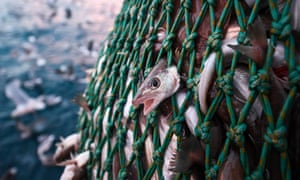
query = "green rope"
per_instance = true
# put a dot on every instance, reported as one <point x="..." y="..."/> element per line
<point x="146" y="31"/>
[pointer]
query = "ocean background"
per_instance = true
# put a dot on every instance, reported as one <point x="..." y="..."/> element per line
<point x="47" y="45"/>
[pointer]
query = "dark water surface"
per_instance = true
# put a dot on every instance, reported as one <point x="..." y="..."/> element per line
<point x="55" y="41"/>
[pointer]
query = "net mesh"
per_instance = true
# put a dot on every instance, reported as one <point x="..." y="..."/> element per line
<point x="128" y="145"/>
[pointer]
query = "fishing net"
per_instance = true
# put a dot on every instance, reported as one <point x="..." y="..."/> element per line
<point x="124" y="144"/>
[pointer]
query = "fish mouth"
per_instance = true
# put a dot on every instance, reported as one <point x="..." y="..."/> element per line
<point x="150" y="103"/>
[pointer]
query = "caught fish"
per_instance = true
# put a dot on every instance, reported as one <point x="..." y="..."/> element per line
<point x="25" y="104"/>
<point x="256" y="52"/>
<point x="294" y="11"/>
<point x="75" y="168"/>
<point x="67" y="145"/>
<point x="164" y="126"/>
<point x="188" y="156"/>
<point x="258" y="39"/>
<point x="72" y="172"/>
<point x="232" y="167"/>
<point x="161" y="83"/>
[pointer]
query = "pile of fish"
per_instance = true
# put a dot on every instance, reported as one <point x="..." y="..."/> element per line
<point x="187" y="154"/>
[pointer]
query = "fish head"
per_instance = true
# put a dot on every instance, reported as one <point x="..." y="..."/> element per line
<point x="161" y="83"/>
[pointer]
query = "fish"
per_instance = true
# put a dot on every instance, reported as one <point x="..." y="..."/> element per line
<point x="294" y="11"/>
<point x="258" y="39"/>
<point x="75" y="168"/>
<point x="255" y="52"/>
<point x="161" y="83"/>
<point x="232" y="167"/>
<point x="164" y="126"/>
<point x="208" y="74"/>
<point x="189" y="154"/>
<point x="24" y="103"/>
<point x="66" y="146"/>
<point x="256" y="121"/>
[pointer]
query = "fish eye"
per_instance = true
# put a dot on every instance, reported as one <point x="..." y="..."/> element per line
<point x="154" y="83"/>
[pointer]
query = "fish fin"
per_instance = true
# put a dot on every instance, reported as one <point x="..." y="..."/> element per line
<point x="81" y="101"/>
<point x="255" y="53"/>
<point x="257" y="34"/>
<point x="67" y="162"/>
<point x="189" y="152"/>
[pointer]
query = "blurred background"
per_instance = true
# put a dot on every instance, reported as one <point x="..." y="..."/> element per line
<point x="46" y="47"/>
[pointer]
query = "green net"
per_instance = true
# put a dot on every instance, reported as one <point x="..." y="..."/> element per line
<point x="222" y="142"/>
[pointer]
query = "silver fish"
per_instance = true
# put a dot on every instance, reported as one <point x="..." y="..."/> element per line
<point x="75" y="168"/>
<point x="65" y="147"/>
<point x="164" y="126"/>
<point x="161" y="83"/>
<point x="208" y="73"/>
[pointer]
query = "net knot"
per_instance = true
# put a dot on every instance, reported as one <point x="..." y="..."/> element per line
<point x="257" y="174"/>
<point x="242" y="36"/>
<point x="214" y="40"/>
<point x="158" y="156"/>
<point x="224" y="83"/>
<point x="134" y="73"/>
<point x="143" y="12"/>
<point x="124" y="72"/>
<point x="123" y="174"/>
<point x="153" y="11"/>
<point x="212" y="172"/>
<point x="128" y="44"/>
<point x="137" y="147"/>
<point x="202" y="132"/>
<point x="188" y="43"/>
<point x="121" y="135"/>
<point x="121" y="103"/>
<point x="152" y="118"/>
<point x="167" y="43"/>
<point x="120" y="42"/>
<point x="282" y="27"/>
<point x="108" y="165"/>
<point x="211" y="2"/>
<point x="110" y="101"/>
<point x="260" y="81"/>
<point x="115" y="68"/>
<point x="177" y="125"/>
<point x="186" y="4"/>
<point x="132" y="113"/>
<point x="169" y="6"/>
<point x="138" y="42"/>
<point x="294" y="77"/>
<point x="277" y="138"/>
<point x="191" y="82"/>
<point x="133" y="13"/>
<point x="109" y="129"/>
<point x="237" y="134"/>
